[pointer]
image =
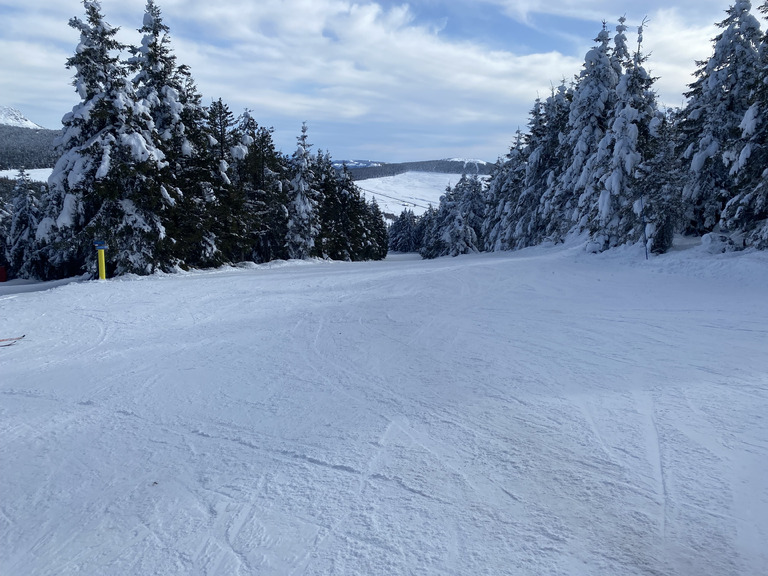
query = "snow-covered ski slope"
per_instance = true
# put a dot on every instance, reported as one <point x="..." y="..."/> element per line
<point x="412" y="190"/>
<point x="534" y="413"/>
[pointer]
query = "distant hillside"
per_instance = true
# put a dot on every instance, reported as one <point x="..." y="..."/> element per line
<point x="26" y="147"/>
<point x="447" y="166"/>
<point x="12" y="117"/>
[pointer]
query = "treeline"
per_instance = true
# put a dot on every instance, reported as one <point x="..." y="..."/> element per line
<point x="169" y="183"/>
<point x="600" y="158"/>
<point x="27" y="147"/>
<point x="439" y="166"/>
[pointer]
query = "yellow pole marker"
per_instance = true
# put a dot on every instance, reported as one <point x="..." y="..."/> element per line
<point x="101" y="246"/>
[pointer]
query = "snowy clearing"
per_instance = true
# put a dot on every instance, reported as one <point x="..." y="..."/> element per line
<point x="412" y="190"/>
<point x="539" y="412"/>
<point x="35" y="174"/>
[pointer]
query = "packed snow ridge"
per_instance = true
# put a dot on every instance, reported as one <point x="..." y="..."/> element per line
<point x="12" y="117"/>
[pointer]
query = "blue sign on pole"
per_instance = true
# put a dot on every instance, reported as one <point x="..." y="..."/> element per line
<point x="100" y="245"/>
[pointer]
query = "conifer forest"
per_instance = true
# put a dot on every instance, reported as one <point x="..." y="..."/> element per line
<point x="600" y="158"/>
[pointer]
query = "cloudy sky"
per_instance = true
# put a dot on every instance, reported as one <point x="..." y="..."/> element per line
<point x="386" y="80"/>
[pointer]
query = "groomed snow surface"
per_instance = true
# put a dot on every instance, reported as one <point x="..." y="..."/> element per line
<point x="414" y="191"/>
<point x="541" y="412"/>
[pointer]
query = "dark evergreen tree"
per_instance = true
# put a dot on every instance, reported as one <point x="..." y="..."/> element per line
<point x="377" y="237"/>
<point x="504" y="189"/>
<point x="548" y="166"/>
<point x="747" y="212"/>
<point x="717" y="102"/>
<point x="433" y="244"/>
<point x="617" y="217"/>
<point x="303" y="221"/>
<point x="21" y="244"/>
<point x="231" y="223"/>
<point x="270" y="172"/>
<point x="658" y="185"/>
<point x="591" y="112"/>
<point x="456" y="227"/>
<point x="402" y="233"/>
<point x="105" y="185"/>
<point x="6" y="218"/>
<point x="332" y="240"/>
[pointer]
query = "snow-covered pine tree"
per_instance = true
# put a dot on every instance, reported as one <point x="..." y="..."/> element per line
<point x="332" y="241"/>
<point x="457" y="225"/>
<point x="424" y="232"/>
<point x="225" y="195"/>
<point x="269" y="171"/>
<point x="495" y="200"/>
<point x="657" y="186"/>
<point x="747" y="212"/>
<point x="618" y="213"/>
<point x="464" y="229"/>
<point x="20" y="243"/>
<point x="377" y="243"/>
<point x="554" y="212"/>
<point x="402" y="233"/>
<point x="591" y="112"/>
<point x="504" y="189"/>
<point x="434" y="243"/>
<point x="6" y="216"/>
<point x="711" y="122"/>
<point x="527" y="224"/>
<point x="166" y="89"/>
<point x="104" y="186"/>
<point x="303" y="221"/>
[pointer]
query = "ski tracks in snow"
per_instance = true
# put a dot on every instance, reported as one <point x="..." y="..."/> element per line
<point x="500" y="414"/>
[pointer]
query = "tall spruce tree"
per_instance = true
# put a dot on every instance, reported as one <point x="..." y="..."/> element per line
<point x="402" y="233"/>
<point x="303" y="221"/>
<point x="747" y="212"/>
<point x="591" y="111"/>
<point x="332" y="240"/>
<point x="376" y="243"/>
<point x="159" y="85"/>
<point x="229" y="217"/>
<point x="555" y="203"/>
<point x="456" y="227"/>
<point x="657" y="186"/>
<point x="270" y="180"/>
<point x="616" y="216"/>
<point x="105" y="185"/>
<point x="6" y="215"/>
<point x="505" y="186"/>
<point x="20" y="243"/>
<point x="717" y="102"/>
